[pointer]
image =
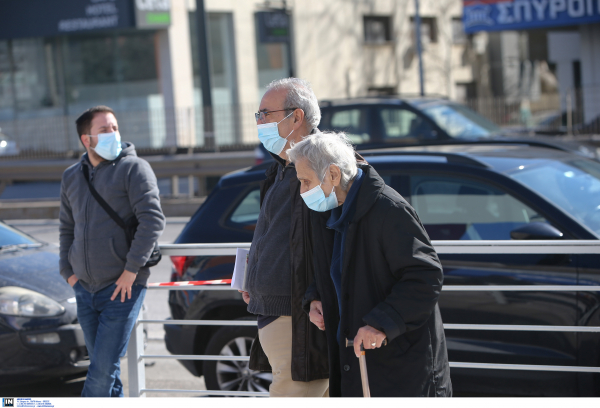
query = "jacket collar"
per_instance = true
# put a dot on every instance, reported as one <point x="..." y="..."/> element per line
<point x="127" y="149"/>
<point x="371" y="187"/>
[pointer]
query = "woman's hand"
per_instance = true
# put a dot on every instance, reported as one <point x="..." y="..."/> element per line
<point x="369" y="337"/>
<point x="316" y="314"/>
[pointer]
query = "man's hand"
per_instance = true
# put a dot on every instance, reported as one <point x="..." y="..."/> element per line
<point x="72" y="280"/>
<point x="245" y="296"/>
<point x="369" y="337"/>
<point x="316" y="314"/>
<point x="124" y="284"/>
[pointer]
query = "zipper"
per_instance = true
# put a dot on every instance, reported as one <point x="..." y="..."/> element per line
<point x="87" y="211"/>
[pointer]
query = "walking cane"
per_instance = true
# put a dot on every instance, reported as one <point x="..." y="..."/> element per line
<point x="362" y="361"/>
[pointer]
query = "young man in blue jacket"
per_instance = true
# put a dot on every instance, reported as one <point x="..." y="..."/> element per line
<point x="107" y="272"/>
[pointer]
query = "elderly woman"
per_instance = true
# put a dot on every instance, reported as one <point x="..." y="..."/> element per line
<point x="377" y="276"/>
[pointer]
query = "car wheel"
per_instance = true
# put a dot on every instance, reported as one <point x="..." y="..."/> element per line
<point x="233" y="375"/>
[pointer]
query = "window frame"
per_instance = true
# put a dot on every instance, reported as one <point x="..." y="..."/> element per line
<point x="388" y="27"/>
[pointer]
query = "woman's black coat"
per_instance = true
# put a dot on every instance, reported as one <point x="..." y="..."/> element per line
<point x="391" y="280"/>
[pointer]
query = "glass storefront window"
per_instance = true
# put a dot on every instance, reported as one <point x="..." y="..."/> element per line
<point x="118" y="70"/>
<point x="272" y="60"/>
<point x="45" y="83"/>
<point x="6" y="97"/>
<point x="223" y="78"/>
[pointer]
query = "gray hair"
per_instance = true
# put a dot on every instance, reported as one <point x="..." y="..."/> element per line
<point x="299" y="95"/>
<point x="324" y="149"/>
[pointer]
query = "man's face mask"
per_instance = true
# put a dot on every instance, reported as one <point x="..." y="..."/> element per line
<point x="108" y="146"/>
<point x="315" y="197"/>
<point x="268" y="134"/>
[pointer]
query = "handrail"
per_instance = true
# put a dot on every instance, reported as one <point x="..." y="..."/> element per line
<point x="136" y="359"/>
<point x="441" y="247"/>
<point x="447" y="288"/>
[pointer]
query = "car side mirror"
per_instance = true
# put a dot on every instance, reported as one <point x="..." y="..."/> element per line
<point x="536" y="230"/>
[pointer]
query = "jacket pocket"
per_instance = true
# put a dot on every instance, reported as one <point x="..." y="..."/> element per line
<point x="76" y="258"/>
<point x="104" y="260"/>
<point x="115" y="252"/>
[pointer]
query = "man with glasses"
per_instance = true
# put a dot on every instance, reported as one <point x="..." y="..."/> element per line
<point x="106" y="271"/>
<point x="280" y="259"/>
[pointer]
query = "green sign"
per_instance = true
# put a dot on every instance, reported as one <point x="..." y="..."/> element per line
<point x="273" y="27"/>
<point x="153" y="13"/>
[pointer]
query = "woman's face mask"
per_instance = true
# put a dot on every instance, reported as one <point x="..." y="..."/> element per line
<point x="315" y="197"/>
<point x="268" y="134"/>
<point x="108" y="146"/>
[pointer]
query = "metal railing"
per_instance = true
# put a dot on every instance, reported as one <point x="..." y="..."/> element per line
<point x="136" y="357"/>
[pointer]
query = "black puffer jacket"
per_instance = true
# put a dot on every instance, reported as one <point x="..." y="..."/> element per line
<point x="309" y="344"/>
<point x="391" y="280"/>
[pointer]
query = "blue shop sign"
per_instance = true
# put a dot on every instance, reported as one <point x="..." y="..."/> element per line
<point x="498" y="15"/>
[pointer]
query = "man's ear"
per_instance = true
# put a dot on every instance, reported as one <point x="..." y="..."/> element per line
<point x="85" y="140"/>
<point x="298" y="116"/>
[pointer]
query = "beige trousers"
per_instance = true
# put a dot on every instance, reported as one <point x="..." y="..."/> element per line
<point x="276" y="341"/>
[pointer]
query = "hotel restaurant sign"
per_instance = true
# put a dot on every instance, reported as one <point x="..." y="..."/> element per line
<point x="499" y="15"/>
<point x="42" y="18"/>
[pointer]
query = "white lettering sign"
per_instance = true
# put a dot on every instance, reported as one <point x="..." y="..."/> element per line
<point x="478" y="15"/>
<point x="576" y="8"/>
<point x="522" y="10"/>
<point x="504" y="17"/>
<point x="556" y="6"/>
<point x="539" y="6"/>
<point x="80" y="24"/>
<point x="101" y="9"/>
<point x="153" y="5"/>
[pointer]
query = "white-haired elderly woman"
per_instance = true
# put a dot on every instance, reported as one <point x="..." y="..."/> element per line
<point x="377" y="276"/>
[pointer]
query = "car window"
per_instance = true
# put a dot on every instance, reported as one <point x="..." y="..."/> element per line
<point x="572" y="185"/>
<point x="453" y="208"/>
<point x="402" y="124"/>
<point x="11" y="236"/>
<point x="459" y="121"/>
<point x="248" y="209"/>
<point x="352" y="122"/>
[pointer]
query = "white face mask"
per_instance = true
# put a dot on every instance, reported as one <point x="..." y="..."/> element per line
<point x="315" y="198"/>
<point x="268" y="134"/>
<point x="108" y="146"/>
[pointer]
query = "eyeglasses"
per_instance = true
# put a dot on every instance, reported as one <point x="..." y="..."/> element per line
<point x="262" y="115"/>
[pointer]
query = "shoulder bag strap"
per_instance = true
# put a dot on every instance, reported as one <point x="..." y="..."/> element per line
<point x="101" y="201"/>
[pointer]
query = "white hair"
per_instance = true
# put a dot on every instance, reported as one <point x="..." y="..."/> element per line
<point x="299" y="95"/>
<point x="324" y="149"/>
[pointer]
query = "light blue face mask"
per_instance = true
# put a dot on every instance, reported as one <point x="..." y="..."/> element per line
<point x="109" y="145"/>
<point x="268" y="134"/>
<point x="315" y="198"/>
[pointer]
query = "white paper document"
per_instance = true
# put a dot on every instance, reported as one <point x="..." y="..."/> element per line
<point x="238" y="280"/>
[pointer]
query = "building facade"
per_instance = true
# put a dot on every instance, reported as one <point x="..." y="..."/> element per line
<point x="141" y="58"/>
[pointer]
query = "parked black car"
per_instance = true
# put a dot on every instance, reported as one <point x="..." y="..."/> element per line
<point x="395" y="121"/>
<point x="380" y="122"/>
<point x="40" y="337"/>
<point x="460" y="192"/>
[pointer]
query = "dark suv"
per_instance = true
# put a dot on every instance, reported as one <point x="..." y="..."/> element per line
<point x="472" y="192"/>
